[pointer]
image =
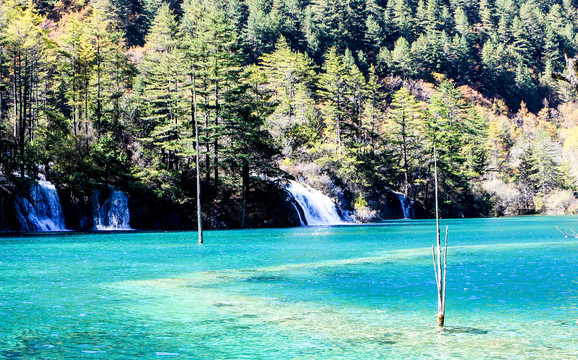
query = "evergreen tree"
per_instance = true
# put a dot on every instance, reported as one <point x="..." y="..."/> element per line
<point x="545" y="166"/>
<point x="162" y="92"/>
<point x="462" y="23"/>
<point x="261" y="31"/>
<point x="250" y="148"/>
<point x="434" y="21"/>
<point x="402" y="18"/>
<point x="333" y="91"/>
<point x="291" y="79"/>
<point x="373" y="111"/>
<point x="221" y="67"/>
<point x="401" y="62"/>
<point x="23" y="52"/>
<point x="404" y="121"/>
<point x="445" y="126"/>
<point x="487" y="19"/>
<point x="521" y="47"/>
<point x="111" y="74"/>
<point x="421" y="56"/>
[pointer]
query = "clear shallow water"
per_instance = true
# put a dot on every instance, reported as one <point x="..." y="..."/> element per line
<point x="353" y="292"/>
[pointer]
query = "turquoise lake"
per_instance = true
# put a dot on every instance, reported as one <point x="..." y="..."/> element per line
<point x="349" y="292"/>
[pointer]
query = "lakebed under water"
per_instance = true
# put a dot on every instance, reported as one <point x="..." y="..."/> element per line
<point x="349" y="292"/>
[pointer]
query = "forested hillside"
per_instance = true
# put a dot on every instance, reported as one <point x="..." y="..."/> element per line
<point x="350" y="96"/>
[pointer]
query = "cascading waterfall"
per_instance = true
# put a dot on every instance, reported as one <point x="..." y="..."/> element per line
<point x="42" y="212"/>
<point x="301" y="220"/>
<point x="318" y="208"/>
<point x="406" y="206"/>
<point x="113" y="214"/>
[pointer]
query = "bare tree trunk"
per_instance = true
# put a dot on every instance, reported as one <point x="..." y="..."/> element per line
<point x="440" y="273"/>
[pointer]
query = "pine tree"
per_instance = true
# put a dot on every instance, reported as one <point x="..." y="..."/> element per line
<point x="533" y="21"/>
<point x="373" y="113"/>
<point x="110" y="74"/>
<point x="434" y="21"/>
<point x="24" y="46"/>
<point x="521" y="47"/>
<point x="421" y="16"/>
<point x="162" y="35"/>
<point x="402" y="18"/>
<point x="354" y="18"/>
<point x="375" y="25"/>
<point x="250" y="148"/>
<point x="487" y="18"/>
<point x="545" y="165"/>
<point x="161" y="85"/>
<point x="291" y="79"/>
<point x="555" y="18"/>
<point x="286" y="18"/>
<point x="356" y="93"/>
<point x="220" y="66"/>
<point x="403" y="120"/>
<point x="445" y="126"/>
<point x="313" y="32"/>
<point x="463" y="26"/>
<point x="421" y="56"/>
<point x="401" y="62"/>
<point x="261" y="31"/>
<point x="333" y="90"/>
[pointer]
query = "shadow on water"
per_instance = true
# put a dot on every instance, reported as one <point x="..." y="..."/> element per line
<point x="263" y="278"/>
<point x="451" y="330"/>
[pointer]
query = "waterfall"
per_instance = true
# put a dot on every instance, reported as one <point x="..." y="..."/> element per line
<point x="318" y="209"/>
<point x="42" y="211"/>
<point x="406" y="205"/>
<point x="113" y="214"/>
<point x="298" y="210"/>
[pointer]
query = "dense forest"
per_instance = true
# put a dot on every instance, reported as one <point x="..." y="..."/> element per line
<point x="349" y="96"/>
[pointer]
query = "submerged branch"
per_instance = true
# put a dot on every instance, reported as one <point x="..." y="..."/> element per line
<point x="570" y="233"/>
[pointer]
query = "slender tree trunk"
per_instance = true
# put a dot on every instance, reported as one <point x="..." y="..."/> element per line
<point x="197" y="162"/>
<point x="98" y="93"/>
<point x="440" y="273"/>
<point x="372" y="128"/>
<point x="15" y="105"/>
<point x="86" y="108"/>
<point x="404" y="148"/>
<point x="1" y="85"/>
<point x="216" y="132"/>
<point x="245" y="186"/>
<point x="74" y="95"/>
<point x="338" y="124"/>
<point x="207" y="140"/>
<point x="208" y="151"/>
<point x="22" y="117"/>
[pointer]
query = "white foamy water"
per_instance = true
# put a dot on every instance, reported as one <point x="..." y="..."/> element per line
<point x="42" y="211"/>
<point x="318" y="208"/>
<point x="113" y="214"/>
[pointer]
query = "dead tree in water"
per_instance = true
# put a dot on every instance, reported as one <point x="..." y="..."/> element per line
<point x="572" y="72"/>
<point x="570" y="233"/>
<point x="440" y="273"/>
